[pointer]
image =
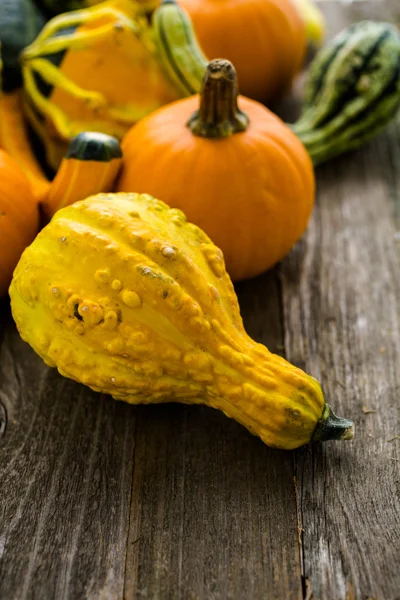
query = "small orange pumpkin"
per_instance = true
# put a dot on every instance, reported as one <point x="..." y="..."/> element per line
<point x="19" y="217"/>
<point x="264" y="39"/>
<point x="239" y="173"/>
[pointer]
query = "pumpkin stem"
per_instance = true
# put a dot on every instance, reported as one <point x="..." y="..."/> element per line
<point x="331" y="427"/>
<point x="218" y="115"/>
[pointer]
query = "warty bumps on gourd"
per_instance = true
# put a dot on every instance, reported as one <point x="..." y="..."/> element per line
<point x="121" y="293"/>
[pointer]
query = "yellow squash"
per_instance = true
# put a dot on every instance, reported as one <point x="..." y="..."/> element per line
<point x="121" y="293"/>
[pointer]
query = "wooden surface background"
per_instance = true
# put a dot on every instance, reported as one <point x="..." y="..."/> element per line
<point x="100" y="500"/>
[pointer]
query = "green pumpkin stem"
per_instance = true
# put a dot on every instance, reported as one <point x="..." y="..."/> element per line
<point x="331" y="427"/>
<point x="219" y="115"/>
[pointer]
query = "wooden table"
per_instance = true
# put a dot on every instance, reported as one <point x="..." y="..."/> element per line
<point x="102" y="500"/>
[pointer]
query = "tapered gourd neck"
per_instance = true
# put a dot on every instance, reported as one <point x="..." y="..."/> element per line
<point x="331" y="427"/>
<point x="218" y="115"/>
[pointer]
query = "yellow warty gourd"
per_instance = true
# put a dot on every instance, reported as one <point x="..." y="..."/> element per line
<point x="121" y="293"/>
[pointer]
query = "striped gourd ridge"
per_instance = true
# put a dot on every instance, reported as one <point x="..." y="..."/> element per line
<point x="178" y="48"/>
<point x="121" y="293"/>
<point x="353" y="90"/>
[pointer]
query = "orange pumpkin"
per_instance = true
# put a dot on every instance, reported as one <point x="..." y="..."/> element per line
<point x="19" y="217"/>
<point x="265" y="40"/>
<point x="238" y="173"/>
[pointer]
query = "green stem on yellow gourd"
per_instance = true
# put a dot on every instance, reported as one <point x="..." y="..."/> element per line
<point x="331" y="427"/>
<point x="218" y="115"/>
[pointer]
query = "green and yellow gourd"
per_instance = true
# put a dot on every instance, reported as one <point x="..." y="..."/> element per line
<point x="352" y="93"/>
<point x="92" y="161"/>
<point x="91" y="165"/>
<point x="121" y="293"/>
<point x="178" y="49"/>
<point x="353" y="90"/>
<point x="353" y="85"/>
<point x="76" y="73"/>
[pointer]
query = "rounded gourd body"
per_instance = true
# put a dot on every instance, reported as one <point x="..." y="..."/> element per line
<point x="120" y="293"/>
<point x="264" y="39"/>
<point x="251" y="191"/>
<point x="352" y="91"/>
<point x="19" y="218"/>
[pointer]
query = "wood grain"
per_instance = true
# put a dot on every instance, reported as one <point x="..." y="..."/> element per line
<point x="65" y="472"/>
<point x="213" y="510"/>
<point x="341" y="291"/>
<point x="341" y="318"/>
<point x="100" y="500"/>
<point x="342" y="310"/>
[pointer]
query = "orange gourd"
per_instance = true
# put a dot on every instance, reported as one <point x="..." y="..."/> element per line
<point x="90" y="166"/>
<point x="239" y="173"/>
<point x="15" y="141"/>
<point x="264" y="39"/>
<point x="19" y="217"/>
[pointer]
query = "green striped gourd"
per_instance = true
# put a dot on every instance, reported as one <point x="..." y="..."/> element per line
<point x="353" y="90"/>
<point x="177" y="46"/>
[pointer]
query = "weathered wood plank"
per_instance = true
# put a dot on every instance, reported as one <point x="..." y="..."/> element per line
<point x="213" y="510"/>
<point x="65" y="482"/>
<point x="342" y="310"/>
<point x="340" y="294"/>
<point x="341" y="291"/>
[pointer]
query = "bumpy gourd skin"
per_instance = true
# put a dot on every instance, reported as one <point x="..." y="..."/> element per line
<point x="120" y="293"/>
